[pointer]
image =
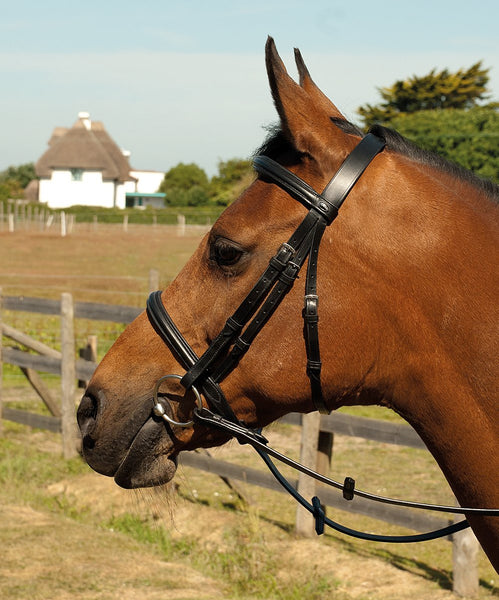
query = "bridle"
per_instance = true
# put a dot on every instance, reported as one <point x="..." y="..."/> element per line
<point x="204" y="374"/>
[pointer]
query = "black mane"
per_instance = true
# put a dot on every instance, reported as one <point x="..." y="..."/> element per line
<point x="403" y="146"/>
<point x="278" y="146"/>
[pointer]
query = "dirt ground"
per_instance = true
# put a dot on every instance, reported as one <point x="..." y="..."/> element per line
<point x="49" y="555"/>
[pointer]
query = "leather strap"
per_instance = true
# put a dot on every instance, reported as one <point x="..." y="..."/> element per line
<point x="326" y="206"/>
<point x="334" y="194"/>
<point x="249" y="306"/>
<point x="310" y="316"/>
<point x="169" y="333"/>
<point x="352" y="168"/>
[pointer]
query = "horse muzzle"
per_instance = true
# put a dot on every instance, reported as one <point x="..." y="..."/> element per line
<point x="137" y="452"/>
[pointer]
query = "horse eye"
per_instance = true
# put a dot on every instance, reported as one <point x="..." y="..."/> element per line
<point x="224" y="253"/>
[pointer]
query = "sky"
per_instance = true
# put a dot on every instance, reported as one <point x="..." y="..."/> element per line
<point x="184" y="81"/>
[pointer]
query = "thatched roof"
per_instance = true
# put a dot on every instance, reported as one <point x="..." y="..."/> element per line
<point x="87" y="146"/>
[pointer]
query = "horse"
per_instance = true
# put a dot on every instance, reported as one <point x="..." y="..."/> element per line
<point x="408" y="287"/>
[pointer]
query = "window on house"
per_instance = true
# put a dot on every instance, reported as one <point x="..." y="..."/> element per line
<point x="76" y="174"/>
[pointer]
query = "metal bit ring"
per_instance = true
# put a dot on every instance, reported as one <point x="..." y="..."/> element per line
<point x="159" y="410"/>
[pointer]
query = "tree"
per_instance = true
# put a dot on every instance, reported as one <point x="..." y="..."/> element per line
<point x="467" y="137"/>
<point x="14" y="180"/>
<point x="463" y="89"/>
<point x="185" y="184"/>
<point x="23" y="174"/>
<point x="233" y="177"/>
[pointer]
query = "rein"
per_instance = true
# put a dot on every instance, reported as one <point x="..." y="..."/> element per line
<point x="224" y="353"/>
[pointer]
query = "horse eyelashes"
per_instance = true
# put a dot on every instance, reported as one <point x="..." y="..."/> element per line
<point x="224" y="253"/>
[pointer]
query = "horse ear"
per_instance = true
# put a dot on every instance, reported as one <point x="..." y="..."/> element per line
<point x="305" y="112"/>
<point x="312" y="90"/>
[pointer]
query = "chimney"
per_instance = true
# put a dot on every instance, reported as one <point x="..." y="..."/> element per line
<point x="85" y="119"/>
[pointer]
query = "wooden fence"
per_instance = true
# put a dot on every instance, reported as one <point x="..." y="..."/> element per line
<point x="20" y="215"/>
<point x="317" y="430"/>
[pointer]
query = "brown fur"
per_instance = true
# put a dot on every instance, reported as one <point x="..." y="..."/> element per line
<point x="408" y="303"/>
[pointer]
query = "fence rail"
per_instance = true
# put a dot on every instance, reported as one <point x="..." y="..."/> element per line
<point x="19" y="215"/>
<point x="336" y="423"/>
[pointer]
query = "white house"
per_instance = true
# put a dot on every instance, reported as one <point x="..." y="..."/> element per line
<point x="143" y="190"/>
<point x="84" y="166"/>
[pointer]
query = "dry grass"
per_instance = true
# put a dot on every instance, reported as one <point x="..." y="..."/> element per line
<point x="107" y="265"/>
<point x="56" y="517"/>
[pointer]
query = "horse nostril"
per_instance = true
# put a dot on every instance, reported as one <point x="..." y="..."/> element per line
<point x="87" y="411"/>
<point x="88" y="442"/>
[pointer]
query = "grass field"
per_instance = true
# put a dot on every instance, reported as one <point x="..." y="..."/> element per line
<point x="107" y="265"/>
<point x="70" y="533"/>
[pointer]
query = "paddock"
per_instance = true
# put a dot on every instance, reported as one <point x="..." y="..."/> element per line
<point x="200" y="493"/>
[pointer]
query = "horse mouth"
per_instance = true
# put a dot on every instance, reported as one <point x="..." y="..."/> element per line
<point x="148" y="461"/>
<point x="138" y="452"/>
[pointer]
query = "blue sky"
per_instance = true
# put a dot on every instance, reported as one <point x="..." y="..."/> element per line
<point x="185" y="80"/>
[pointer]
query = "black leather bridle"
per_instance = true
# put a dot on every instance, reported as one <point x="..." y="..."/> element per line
<point x="204" y="374"/>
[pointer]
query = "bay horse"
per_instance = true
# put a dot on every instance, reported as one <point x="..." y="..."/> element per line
<point x="408" y="286"/>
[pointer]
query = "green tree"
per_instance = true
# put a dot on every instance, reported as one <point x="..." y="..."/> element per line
<point x="233" y="177"/>
<point x="197" y="196"/>
<point x="14" y="180"/>
<point x="467" y="137"/>
<point x="23" y="174"/>
<point x="185" y="184"/>
<point x="464" y="89"/>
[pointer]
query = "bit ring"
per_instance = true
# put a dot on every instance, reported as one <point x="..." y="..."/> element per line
<point x="159" y="410"/>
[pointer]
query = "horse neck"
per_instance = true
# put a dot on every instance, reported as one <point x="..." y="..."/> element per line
<point x="434" y="250"/>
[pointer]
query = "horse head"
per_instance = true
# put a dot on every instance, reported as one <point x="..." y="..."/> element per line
<point x="408" y="319"/>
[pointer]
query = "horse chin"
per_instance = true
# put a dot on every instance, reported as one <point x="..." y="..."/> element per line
<point x="144" y="464"/>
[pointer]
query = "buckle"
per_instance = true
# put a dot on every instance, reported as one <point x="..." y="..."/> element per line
<point x="282" y="257"/>
<point x="289" y="275"/>
<point x="311" y="308"/>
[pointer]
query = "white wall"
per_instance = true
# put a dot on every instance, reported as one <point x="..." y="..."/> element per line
<point x="148" y="181"/>
<point x="60" y="191"/>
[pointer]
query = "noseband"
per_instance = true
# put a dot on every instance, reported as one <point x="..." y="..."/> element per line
<point x="204" y="374"/>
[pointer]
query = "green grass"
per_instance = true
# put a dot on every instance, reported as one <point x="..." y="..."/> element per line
<point x="141" y="529"/>
<point x="24" y="468"/>
<point x="247" y="564"/>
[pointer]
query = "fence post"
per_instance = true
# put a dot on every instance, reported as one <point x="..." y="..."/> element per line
<point x="153" y="280"/>
<point x="465" y="564"/>
<point x="306" y="485"/>
<point x="89" y="352"/>
<point x="63" y="224"/>
<point x="324" y="453"/>
<point x="68" y="377"/>
<point x="180" y="225"/>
